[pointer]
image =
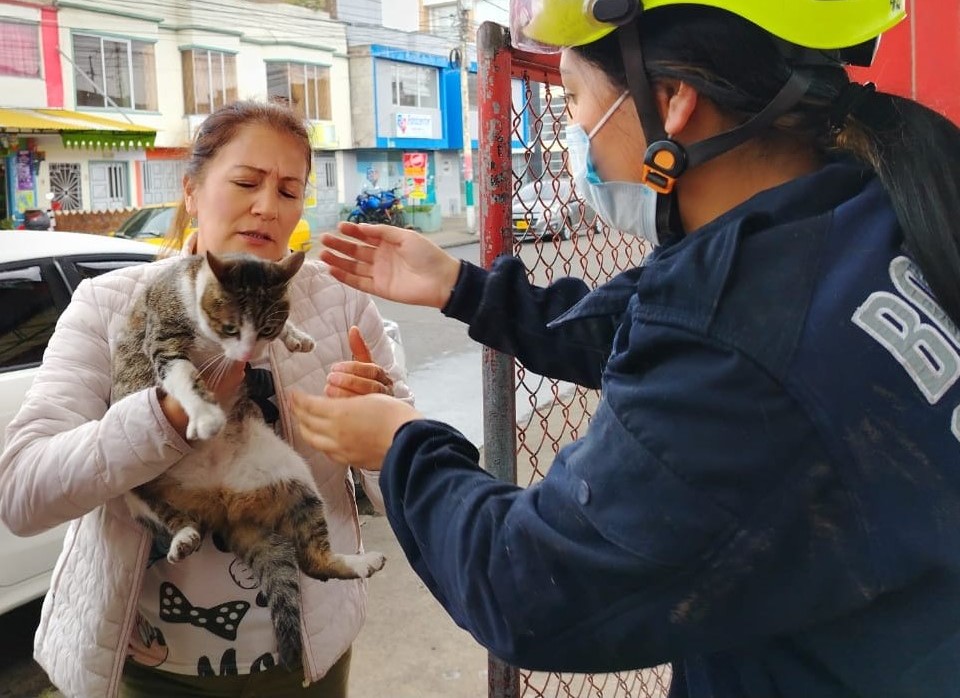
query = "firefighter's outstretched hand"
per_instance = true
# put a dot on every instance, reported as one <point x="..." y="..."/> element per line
<point x="393" y="263"/>
<point x="352" y="431"/>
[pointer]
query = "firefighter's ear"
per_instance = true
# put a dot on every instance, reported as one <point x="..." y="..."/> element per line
<point x="677" y="102"/>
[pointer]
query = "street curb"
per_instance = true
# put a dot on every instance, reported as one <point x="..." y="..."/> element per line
<point x="445" y="239"/>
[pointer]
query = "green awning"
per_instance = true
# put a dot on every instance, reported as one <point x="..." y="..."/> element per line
<point x="77" y="129"/>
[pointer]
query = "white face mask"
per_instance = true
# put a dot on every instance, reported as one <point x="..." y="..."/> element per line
<point x="629" y="207"/>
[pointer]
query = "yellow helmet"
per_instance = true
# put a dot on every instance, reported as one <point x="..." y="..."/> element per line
<point x="545" y="25"/>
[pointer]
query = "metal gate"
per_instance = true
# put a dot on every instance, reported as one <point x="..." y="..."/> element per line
<point x="528" y="208"/>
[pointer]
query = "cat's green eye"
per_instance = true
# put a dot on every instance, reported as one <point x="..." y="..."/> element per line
<point x="230" y="330"/>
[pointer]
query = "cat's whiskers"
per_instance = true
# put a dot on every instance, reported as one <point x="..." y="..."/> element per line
<point x="206" y="364"/>
<point x="215" y="368"/>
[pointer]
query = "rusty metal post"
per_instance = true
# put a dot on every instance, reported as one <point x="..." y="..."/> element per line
<point x="496" y="238"/>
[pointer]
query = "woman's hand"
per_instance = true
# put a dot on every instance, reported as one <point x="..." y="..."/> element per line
<point x="394" y="263"/>
<point x="360" y="376"/>
<point x="355" y="431"/>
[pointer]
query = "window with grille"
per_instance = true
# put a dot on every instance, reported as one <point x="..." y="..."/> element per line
<point x="209" y="80"/>
<point x="414" y="86"/>
<point x="65" y="185"/>
<point x="443" y="20"/>
<point x="163" y="181"/>
<point x="326" y="173"/>
<point x="303" y="86"/>
<point x="113" y="72"/>
<point x="108" y="185"/>
<point x="19" y="49"/>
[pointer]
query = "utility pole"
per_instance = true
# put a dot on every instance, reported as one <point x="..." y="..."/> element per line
<point x="464" y="15"/>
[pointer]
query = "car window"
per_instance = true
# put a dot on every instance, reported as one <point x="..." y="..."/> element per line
<point x="133" y="222"/>
<point x="28" y="314"/>
<point x="148" y="222"/>
<point x="159" y="224"/>
<point x="88" y="270"/>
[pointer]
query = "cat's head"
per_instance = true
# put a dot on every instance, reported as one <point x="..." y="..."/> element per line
<point x="242" y="301"/>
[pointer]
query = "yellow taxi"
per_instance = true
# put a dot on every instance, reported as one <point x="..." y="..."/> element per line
<point x="151" y="223"/>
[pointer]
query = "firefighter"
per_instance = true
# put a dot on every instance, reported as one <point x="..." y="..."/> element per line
<point x="768" y="495"/>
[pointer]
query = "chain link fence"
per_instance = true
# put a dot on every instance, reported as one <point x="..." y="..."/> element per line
<point x="529" y="208"/>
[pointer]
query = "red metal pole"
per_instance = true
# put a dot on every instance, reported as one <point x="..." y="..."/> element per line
<point x="496" y="238"/>
<point x="496" y="162"/>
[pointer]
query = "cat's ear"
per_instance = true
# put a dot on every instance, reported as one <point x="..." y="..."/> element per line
<point x="217" y="266"/>
<point x="291" y="264"/>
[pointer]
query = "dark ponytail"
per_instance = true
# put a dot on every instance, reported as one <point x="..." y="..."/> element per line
<point x="740" y="68"/>
<point x="916" y="154"/>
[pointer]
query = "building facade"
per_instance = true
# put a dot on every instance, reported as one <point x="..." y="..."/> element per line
<point x="98" y="101"/>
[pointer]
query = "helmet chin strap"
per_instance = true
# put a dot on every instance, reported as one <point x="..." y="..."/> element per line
<point x="665" y="159"/>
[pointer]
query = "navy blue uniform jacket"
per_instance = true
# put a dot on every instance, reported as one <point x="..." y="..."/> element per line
<point x="768" y="495"/>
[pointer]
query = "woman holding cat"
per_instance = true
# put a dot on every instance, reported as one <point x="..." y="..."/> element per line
<point x="119" y="619"/>
<point x="767" y="495"/>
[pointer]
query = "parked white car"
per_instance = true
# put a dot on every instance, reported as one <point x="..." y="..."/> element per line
<point x="549" y="209"/>
<point x="38" y="273"/>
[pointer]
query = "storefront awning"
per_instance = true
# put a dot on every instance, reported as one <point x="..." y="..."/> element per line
<point x="78" y="130"/>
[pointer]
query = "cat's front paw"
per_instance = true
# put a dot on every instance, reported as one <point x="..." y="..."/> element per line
<point x="206" y="422"/>
<point x="295" y="340"/>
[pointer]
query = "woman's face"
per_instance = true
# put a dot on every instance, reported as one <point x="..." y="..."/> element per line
<point x="617" y="149"/>
<point x="250" y="196"/>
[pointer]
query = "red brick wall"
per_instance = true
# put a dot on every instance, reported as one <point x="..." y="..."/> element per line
<point x="98" y="222"/>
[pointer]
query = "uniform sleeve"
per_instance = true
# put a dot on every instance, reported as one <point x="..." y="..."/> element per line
<point x="67" y="449"/>
<point x="697" y="512"/>
<point x="507" y="313"/>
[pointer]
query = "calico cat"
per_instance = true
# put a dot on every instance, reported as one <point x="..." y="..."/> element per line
<point x="242" y="481"/>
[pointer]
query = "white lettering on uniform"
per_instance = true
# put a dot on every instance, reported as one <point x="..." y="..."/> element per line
<point x="928" y="358"/>
<point x="911" y="284"/>
<point x="929" y="355"/>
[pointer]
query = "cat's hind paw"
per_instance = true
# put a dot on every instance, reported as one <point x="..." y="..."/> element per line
<point x="206" y="423"/>
<point x="184" y="543"/>
<point x="366" y="564"/>
<point x="337" y="566"/>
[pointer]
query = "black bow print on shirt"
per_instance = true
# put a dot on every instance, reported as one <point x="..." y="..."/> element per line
<point x="221" y="620"/>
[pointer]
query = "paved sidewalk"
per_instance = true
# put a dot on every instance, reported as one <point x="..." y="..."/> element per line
<point x="453" y="232"/>
<point x="452" y="237"/>
<point x="409" y="647"/>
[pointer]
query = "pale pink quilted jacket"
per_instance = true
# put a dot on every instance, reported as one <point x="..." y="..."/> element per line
<point x="71" y="454"/>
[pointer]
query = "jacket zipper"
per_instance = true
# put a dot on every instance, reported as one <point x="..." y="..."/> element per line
<point x="113" y="688"/>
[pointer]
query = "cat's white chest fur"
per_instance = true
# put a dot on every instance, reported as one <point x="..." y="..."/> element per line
<point x="253" y="458"/>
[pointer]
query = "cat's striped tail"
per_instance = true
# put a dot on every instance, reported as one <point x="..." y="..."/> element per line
<point x="274" y="560"/>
